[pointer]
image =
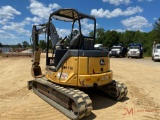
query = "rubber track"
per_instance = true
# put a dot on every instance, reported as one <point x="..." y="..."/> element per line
<point x="116" y="90"/>
<point x="72" y="94"/>
<point x="122" y="90"/>
<point x="87" y="100"/>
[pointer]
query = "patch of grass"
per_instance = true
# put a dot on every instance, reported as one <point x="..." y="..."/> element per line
<point x="147" y="55"/>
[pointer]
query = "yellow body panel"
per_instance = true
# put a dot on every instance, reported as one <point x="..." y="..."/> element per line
<point x="82" y="72"/>
<point x="95" y="79"/>
<point x="83" y="66"/>
<point x="95" y="67"/>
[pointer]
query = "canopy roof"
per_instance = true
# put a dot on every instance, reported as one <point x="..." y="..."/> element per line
<point x="69" y="15"/>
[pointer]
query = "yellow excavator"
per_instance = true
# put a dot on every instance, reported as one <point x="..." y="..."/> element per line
<point x="72" y="64"/>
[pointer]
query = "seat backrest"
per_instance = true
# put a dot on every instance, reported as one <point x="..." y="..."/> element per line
<point x="75" y="42"/>
<point x="58" y="55"/>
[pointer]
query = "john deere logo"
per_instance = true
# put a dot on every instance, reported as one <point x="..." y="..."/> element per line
<point x="102" y="62"/>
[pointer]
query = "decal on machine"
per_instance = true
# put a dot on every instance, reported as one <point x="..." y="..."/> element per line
<point x="102" y="62"/>
<point x="68" y="67"/>
<point x="62" y="75"/>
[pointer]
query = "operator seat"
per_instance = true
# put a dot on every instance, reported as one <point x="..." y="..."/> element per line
<point x="74" y="44"/>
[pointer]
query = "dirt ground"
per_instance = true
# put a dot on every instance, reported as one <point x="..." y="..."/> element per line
<point x="141" y="76"/>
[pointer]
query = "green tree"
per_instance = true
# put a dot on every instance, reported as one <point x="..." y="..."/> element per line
<point x="127" y="37"/>
<point x="91" y="34"/>
<point x="25" y="44"/>
<point x="100" y="35"/>
<point x="156" y="29"/>
<point x="111" y="38"/>
<point x="137" y="37"/>
<point x="42" y="44"/>
<point x="19" y="45"/>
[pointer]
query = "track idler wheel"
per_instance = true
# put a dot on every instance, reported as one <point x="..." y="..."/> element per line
<point x="86" y="98"/>
<point x="74" y="108"/>
<point x="116" y="90"/>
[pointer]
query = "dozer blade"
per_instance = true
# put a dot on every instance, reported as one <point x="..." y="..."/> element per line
<point x="73" y="103"/>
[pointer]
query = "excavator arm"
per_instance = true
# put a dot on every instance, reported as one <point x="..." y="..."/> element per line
<point x="48" y="29"/>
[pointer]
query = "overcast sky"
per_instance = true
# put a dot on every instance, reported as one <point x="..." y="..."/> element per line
<point x="18" y="16"/>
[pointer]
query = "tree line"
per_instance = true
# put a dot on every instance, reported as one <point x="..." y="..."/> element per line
<point x="24" y="44"/>
<point x="109" y="38"/>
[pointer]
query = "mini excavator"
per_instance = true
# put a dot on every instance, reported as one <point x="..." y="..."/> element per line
<point x="72" y="67"/>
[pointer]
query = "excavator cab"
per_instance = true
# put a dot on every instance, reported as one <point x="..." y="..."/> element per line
<point x="75" y="66"/>
<point x="78" y="40"/>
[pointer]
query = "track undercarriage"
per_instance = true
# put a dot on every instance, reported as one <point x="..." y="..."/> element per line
<point x="72" y="102"/>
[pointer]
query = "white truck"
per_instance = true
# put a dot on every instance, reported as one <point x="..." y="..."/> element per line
<point x="135" y="50"/>
<point x="156" y="52"/>
<point x="118" y="51"/>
